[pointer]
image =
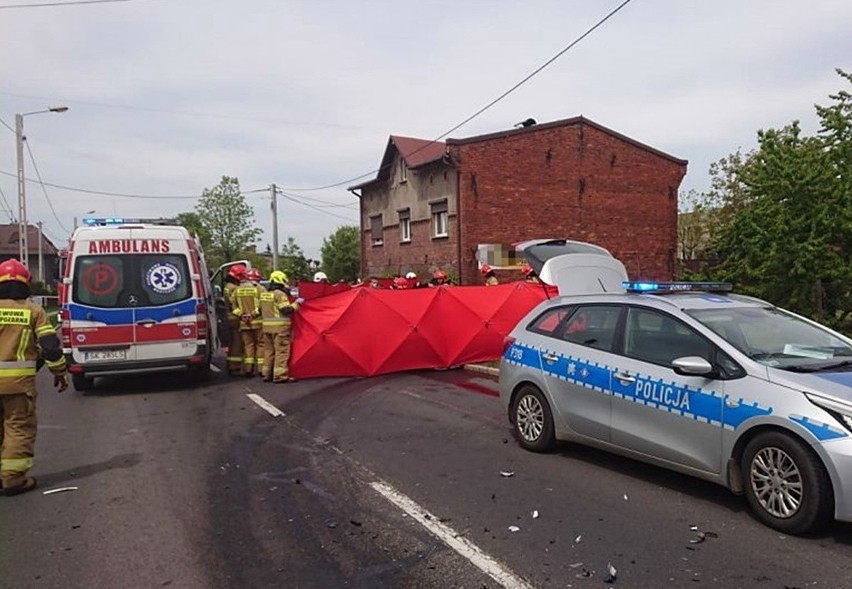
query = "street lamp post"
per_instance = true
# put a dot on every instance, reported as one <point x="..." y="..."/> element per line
<point x="23" y="245"/>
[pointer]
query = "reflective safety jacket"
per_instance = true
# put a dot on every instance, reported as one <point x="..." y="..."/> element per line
<point x="245" y="301"/>
<point x="26" y="339"/>
<point x="230" y="287"/>
<point x="276" y="310"/>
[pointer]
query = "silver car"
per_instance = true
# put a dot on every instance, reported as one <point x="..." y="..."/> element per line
<point x="689" y="377"/>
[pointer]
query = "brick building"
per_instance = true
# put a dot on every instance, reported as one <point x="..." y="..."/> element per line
<point x="433" y="204"/>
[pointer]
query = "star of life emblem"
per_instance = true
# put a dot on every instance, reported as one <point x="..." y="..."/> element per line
<point x="163" y="278"/>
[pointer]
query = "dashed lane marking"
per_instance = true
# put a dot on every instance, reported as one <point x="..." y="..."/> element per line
<point x="266" y="405"/>
<point x="448" y="536"/>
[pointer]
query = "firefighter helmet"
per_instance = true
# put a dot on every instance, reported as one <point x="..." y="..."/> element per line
<point x="320" y="277"/>
<point x="14" y="270"/>
<point x="400" y="282"/>
<point x="278" y="277"/>
<point x="485" y="269"/>
<point x="411" y="276"/>
<point x="237" y="271"/>
<point x="253" y="274"/>
<point x="526" y="269"/>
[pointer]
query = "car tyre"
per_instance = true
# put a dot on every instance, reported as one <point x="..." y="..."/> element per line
<point x="533" y="420"/>
<point x="786" y="484"/>
<point x="82" y="383"/>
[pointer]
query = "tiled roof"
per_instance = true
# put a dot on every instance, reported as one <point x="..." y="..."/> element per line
<point x="415" y="152"/>
<point x="9" y="241"/>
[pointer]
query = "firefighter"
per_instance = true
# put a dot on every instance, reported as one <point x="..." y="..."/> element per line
<point x="320" y="277"/>
<point x="276" y="310"/>
<point x="26" y="341"/>
<point x="254" y="276"/>
<point x="400" y="283"/>
<point x="245" y="301"/>
<point x="530" y="274"/>
<point x="439" y="278"/>
<point x="489" y="275"/>
<point x="236" y="274"/>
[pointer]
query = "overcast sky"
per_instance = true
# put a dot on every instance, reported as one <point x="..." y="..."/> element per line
<point x="167" y="96"/>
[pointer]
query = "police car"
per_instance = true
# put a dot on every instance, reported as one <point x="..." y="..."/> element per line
<point x="694" y="378"/>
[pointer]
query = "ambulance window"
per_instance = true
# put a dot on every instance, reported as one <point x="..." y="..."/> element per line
<point x="98" y="280"/>
<point x="164" y="278"/>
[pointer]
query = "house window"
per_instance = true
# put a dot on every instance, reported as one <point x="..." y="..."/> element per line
<point x="376" y="230"/>
<point x="439" y="219"/>
<point x="405" y="225"/>
<point x="403" y="171"/>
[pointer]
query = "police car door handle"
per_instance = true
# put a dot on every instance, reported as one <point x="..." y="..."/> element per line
<point x="550" y="358"/>
<point x="624" y="378"/>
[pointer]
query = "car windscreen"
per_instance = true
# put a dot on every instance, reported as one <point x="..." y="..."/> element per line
<point x="776" y="338"/>
<point x="118" y="281"/>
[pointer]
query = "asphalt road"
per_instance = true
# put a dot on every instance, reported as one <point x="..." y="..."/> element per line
<point x="390" y="482"/>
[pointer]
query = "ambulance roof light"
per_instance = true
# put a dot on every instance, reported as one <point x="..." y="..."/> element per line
<point x="103" y="221"/>
<point x="673" y="287"/>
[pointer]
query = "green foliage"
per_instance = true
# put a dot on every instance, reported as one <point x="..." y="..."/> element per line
<point x="787" y="235"/>
<point x="194" y="225"/>
<point x="293" y="262"/>
<point x="341" y="254"/>
<point x="228" y="220"/>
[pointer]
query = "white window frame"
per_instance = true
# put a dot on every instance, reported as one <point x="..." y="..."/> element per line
<point x="405" y="226"/>
<point x="440" y="219"/>
<point x="403" y="171"/>
<point x="374" y="241"/>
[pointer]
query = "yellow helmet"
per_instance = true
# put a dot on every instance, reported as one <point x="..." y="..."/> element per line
<point x="278" y="277"/>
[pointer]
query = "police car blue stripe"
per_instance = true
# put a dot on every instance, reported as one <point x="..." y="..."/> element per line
<point x="821" y="431"/>
<point x="701" y="405"/>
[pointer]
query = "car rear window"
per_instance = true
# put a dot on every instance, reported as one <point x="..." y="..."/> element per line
<point x="117" y="281"/>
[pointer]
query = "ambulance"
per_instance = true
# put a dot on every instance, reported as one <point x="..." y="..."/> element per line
<point x="135" y="298"/>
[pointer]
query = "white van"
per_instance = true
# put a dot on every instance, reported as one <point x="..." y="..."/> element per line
<point x="135" y="298"/>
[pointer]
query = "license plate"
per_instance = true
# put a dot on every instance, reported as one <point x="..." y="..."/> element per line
<point x="95" y="355"/>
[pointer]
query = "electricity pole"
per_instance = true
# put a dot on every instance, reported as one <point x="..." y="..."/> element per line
<point x="274" y="190"/>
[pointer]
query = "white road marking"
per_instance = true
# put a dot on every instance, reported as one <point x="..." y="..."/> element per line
<point x="448" y="536"/>
<point x="269" y="407"/>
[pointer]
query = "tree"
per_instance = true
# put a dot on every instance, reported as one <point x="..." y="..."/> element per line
<point x="790" y="239"/>
<point x="341" y="254"/>
<point x="228" y="219"/>
<point x="193" y="224"/>
<point x="293" y="262"/>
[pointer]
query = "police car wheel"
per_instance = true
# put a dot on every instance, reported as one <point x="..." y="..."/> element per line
<point x="82" y="383"/>
<point x="532" y="420"/>
<point x="786" y="485"/>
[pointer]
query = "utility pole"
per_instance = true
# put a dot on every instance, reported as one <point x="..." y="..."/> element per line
<point x="274" y="190"/>
<point x="40" y="255"/>
<point x="23" y="246"/>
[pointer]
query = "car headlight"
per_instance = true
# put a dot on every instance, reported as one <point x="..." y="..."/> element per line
<point x="842" y="412"/>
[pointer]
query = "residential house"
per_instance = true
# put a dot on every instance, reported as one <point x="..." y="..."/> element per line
<point x="433" y="204"/>
<point x="10" y="248"/>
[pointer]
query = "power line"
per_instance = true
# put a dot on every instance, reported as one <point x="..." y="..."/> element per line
<point x="43" y="188"/>
<point x="124" y="195"/>
<point x="294" y="198"/>
<point x="325" y="203"/>
<point x="70" y="3"/>
<point x="8" y="207"/>
<point x="484" y="108"/>
<point x="5" y="124"/>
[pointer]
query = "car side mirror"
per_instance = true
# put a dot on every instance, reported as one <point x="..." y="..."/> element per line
<point x="693" y="366"/>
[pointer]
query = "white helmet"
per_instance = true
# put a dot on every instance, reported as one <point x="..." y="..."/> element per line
<point x="411" y="275"/>
<point x="320" y="276"/>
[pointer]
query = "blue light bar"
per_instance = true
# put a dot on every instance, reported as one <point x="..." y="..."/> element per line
<point x="664" y="287"/>
<point x="102" y="221"/>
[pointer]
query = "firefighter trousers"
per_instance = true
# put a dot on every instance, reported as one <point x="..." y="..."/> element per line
<point x="250" y="337"/>
<point x="277" y="349"/>
<point x="17" y="437"/>
<point x="235" y="348"/>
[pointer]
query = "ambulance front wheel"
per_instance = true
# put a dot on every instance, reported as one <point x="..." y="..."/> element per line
<point x="82" y="383"/>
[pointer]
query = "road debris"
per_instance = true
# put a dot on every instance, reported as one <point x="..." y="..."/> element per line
<point x="514" y="528"/>
<point x="60" y="490"/>
<point x="610" y="573"/>
<point x="535" y="514"/>
<point x="578" y="539"/>
<point x="507" y="473"/>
